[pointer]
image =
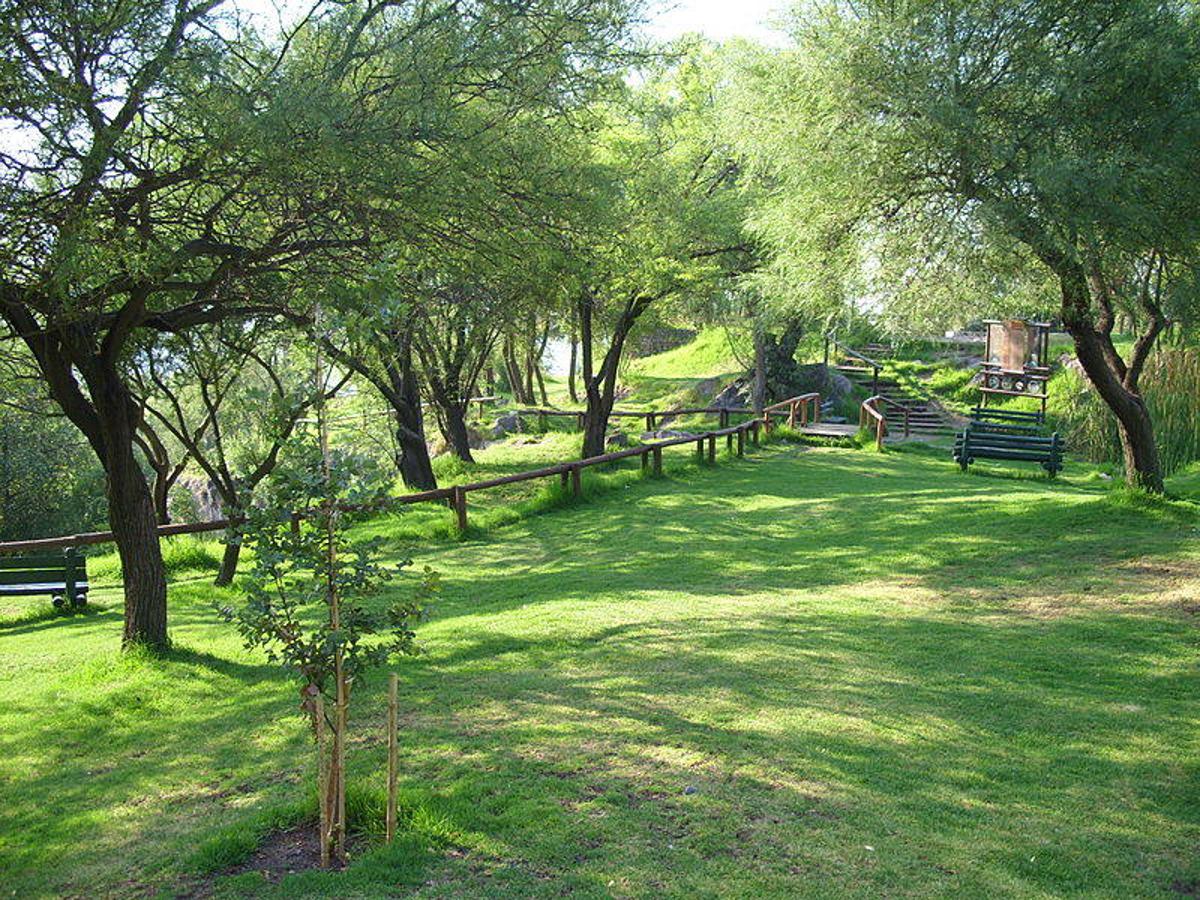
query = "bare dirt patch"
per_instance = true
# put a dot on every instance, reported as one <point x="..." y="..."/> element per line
<point x="280" y="854"/>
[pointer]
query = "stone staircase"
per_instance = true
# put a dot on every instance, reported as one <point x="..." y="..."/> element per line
<point x="926" y="418"/>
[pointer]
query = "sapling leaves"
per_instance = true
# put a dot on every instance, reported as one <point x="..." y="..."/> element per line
<point x="295" y="517"/>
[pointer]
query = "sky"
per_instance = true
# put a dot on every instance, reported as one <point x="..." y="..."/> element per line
<point x="716" y="19"/>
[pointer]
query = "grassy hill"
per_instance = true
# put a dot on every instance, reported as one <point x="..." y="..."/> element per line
<point x="814" y="672"/>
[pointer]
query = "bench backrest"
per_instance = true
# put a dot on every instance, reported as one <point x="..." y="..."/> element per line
<point x="40" y="568"/>
<point x="983" y="414"/>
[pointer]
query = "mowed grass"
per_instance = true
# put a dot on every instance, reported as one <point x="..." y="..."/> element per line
<point x="812" y="672"/>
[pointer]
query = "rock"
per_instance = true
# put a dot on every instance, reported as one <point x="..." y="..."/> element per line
<point x="838" y="385"/>
<point x="733" y="397"/>
<point x="617" y="439"/>
<point x="198" y="498"/>
<point x="690" y="789"/>
<point x="507" y="424"/>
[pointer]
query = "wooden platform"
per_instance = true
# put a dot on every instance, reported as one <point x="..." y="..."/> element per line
<point x="830" y="430"/>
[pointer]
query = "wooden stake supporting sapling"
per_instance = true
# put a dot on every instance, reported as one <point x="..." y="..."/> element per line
<point x="393" y="758"/>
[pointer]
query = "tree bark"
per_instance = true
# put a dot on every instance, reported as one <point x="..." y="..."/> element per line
<point x="1112" y="381"/>
<point x="412" y="459"/>
<point x="229" y="564"/>
<point x="457" y="433"/>
<point x="131" y="513"/>
<point x="573" y="364"/>
<point x="601" y="386"/>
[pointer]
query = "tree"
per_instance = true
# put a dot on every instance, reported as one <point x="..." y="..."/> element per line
<point x="172" y="164"/>
<point x="455" y="329"/>
<point x="306" y="603"/>
<point x="670" y="222"/>
<point x="230" y="395"/>
<point x="1059" y="136"/>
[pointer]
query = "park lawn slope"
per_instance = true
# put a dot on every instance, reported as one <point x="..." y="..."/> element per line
<point x="814" y="672"/>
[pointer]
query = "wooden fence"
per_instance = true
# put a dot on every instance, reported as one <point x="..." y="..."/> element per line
<point x="799" y="410"/>
<point x="795" y="410"/>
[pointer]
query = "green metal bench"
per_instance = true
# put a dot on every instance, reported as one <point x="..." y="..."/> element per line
<point x="1011" y="440"/>
<point x="62" y="576"/>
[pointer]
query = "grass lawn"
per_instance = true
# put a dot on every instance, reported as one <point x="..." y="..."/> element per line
<point x="813" y="672"/>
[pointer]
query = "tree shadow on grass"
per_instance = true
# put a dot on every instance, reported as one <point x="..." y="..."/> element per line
<point x="45" y="616"/>
<point x="985" y="740"/>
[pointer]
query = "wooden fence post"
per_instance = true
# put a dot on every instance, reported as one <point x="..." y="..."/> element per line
<point x="754" y="431"/>
<point x="700" y="450"/>
<point x="729" y="442"/>
<point x="563" y="478"/>
<point x="645" y="460"/>
<point x="712" y="448"/>
<point x="724" y="418"/>
<point x="576" y="484"/>
<point x="657" y="451"/>
<point x="579" y="422"/>
<point x="458" y="500"/>
<point x="792" y="414"/>
<point x="650" y="421"/>
<point x="741" y="439"/>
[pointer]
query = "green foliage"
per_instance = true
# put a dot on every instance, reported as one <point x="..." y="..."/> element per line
<point x="299" y="566"/>
<point x="50" y="481"/>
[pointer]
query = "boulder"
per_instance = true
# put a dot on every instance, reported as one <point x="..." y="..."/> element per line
<point x="617" y="439"/>
<point x="509" y="423"/>
<point x="734" y="396"/>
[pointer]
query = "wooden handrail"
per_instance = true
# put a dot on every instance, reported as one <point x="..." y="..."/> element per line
<point x="795" y="407"/>
<point x="874" y="364"/>
<point x="870" y="409"/>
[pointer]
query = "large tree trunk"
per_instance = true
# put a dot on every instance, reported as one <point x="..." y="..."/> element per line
<point x="781" y="376"/>
<point x="412" y="457"/>
<point x="108" y="418"/>
<point x="456" y="430"/>
<point x="229" y="564"/>
<point x="1115" y="382"/>
<point x="595" y="421"/>
<point x="135" y="527"/>
<point x="601" y="386"/>
<point x="131" y="513"/>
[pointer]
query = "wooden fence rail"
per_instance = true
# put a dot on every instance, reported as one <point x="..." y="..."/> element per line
<point x="795" y="409"/>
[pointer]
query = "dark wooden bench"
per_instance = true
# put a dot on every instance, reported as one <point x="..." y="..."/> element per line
<point x="62" y="576"/>
<point x="1015" y="439"/>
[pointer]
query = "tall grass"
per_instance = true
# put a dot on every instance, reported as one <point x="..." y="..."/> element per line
<point x="1171" y="386"/>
